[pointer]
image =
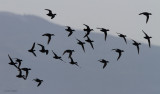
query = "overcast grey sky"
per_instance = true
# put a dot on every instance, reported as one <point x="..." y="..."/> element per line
<point x="116" y="15"/>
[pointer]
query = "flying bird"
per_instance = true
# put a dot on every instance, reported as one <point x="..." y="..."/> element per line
<point x="73" y="62"/>
<point x="147" y="38"/>
<point x="104" y="62"/>
<point x="20" y="74"/>
<point x="136" y="44"/>
<point x="104" y="31"/>
<point x="119" y="51"/>
<point x="69" y="30"/>
<point x="90" y="41"/>
<point x="88" y="30"/>
<point x="32" y="50"/>
<point x="49" y="36"/>
<point x="27" y="71"/>
<point x="50" y="13"/>
<point x="43" y="50"/>
<point x="12" y="62"/>
<point x="146" y="14"/>
<point x="81" y="43"/>
<point x="122" y="36"/>
<point x="57" y="57"/>
<point x="38" y="81"/>
<point x="69" y="51"/>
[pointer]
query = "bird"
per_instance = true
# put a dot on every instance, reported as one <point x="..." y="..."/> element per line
<point x="81" y="43"/>
<point x="20" y="74"/>
<point x="27" y="71"/>
<point x="32" y="50"/>
<point x="57" y="57"/>
<point x="38" y="81"/>
<point x="43" y="50"/>
<point x="104" y="62"/>
<point x="119" y="51"/>
<point x="12" y="62"/>
<point x="88" y="30"/>
<point x="147" y="38"/>
<point x="122" y="36"/>
<point x="147" y="14"/>
<point x="73" y="62"/>
<point x="136" y="44"/>
<point x="50" y="13"/>
<point x="69" y="30"/>
<point x="69" y="51"/>
<point x="104" y="31"/>
<point x="90" y="41"/>
<point x="19" y="61"/>
<point x="49" y="36"/>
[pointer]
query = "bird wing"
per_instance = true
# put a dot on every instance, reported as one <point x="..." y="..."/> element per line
<point x="83" y="47"/>
<point x="145" y="33"/>
<point x="149" y="42"/>
<point x="147" y="18"/>
<point x="10" y="58"/>
<point x="70" y="34"/>
<point x="33" y="46"/>
<point x="54" y="53"/>
<point x="49" y="39"/>
<point x="105" y="36"/>
<point x="119" y="56"/>
<point x="125" y="40"/>
<point x="91" y="45"/>
<point x="104" y="65"/>
<point x="34" y="54"/>
<point x="49" y="11"/>
<point x="138" y="49"/>
<point x="39" y="83"/>
<point x="64" y="52"/>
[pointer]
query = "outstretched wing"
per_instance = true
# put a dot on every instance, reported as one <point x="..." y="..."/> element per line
<point x="33" y="46"/>
<point x="145" y="33"/>
<point x="104" y="65"/>
<point x="119" y="56"/>
<point x="49" y="11"/>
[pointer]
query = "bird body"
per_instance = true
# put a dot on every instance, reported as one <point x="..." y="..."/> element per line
<point x="43" y="50"/>
<point x="38" y="81"/>
<point x="27" y="71"/>
<point x="81" y="43"/>
<point x="119" y="51"/>
<point x="88" y="30"/>
<point x="104" y="62"/>
<point x="73" y="62"/>
<point x="68" y="51"/>
<point x="136" y="44"/>
<point x="147" y="14"/>
<point x="50" y="13"/>
<point x="49" y="36"/>
<point x="57" y="57"/>
<point x="90" y="41"/>
<point x="122" y="36"/>
<point x="69" y="30"/>
<point x="147" y="38"/>
<point x="32" y="50"/>
<point x="104" y="31"/>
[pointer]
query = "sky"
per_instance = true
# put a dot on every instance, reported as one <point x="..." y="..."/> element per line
<point x="117" y="15"/>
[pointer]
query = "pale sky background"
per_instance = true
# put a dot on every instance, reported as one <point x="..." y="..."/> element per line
<point x="117" y="15"/>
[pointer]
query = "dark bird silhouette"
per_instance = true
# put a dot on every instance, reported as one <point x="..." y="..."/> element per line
<point x="57" y="57"/>
<point x="81" y="43"/>
<point x="136" y="44"/>
<point x="88" y="30"/>
<point x="20" y="74"/>
<point x="104" y="31"/>
<point x="90" y="41"/>
<point x="146" y="14"/>
<point x="73" y="62"/>
<point x="27" y="71"/>
<point x="32" y="49"/>
<point x="50" y="14"/>
<point x="49" y="36"/>
<point x="104" y="62"/>
<point x="11" y="62"/>
<point x="19" y="61"/>
<point x="68" y="51"/>
<point x="38" y="81"/>
<point x="119" y="51"/>
<point x="69" y="30"/>
<point x="147" y="38"/>
<point x="43" y="50"/>
<point x="122" y="36"/>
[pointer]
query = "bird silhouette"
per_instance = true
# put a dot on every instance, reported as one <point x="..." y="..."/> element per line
<point x="136" y="44"/>
<point x="69" y="30"/>
<point x="104" y="62"/>
<point x="20" y="74"/>
<point x="104" y="31"/>
<point x="49" y="36"/>
<point x="57" y="57"/>
<point x="38" y="81"/>
<point x="81" y="43"/>
<point x="12" y="62"/>
<point x="32" y="50"/>
<point x="90" y="41"/>
<point x="119" y="51"/>
<point x="122" y="36"/>
<point x="146" y="14"/>
<point x="73" y="62"/>
<point x="50" y="13"/>
<point x="69" y="51"/>
<point x="43" y="50"/>
<point x="27" y="71"/>
<point x="147" y="38"/>
<point x="88" y="30"/>
<point x="19" y="61"/>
